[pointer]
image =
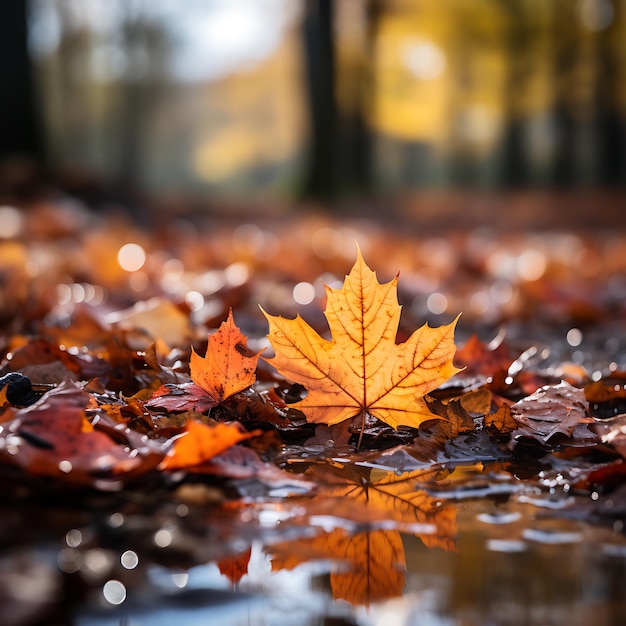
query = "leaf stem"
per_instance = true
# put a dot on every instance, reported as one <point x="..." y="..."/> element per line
<point x="358" y="445"/>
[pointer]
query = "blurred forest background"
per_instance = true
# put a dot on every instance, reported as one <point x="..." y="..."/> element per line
<point x="291" y="100"/>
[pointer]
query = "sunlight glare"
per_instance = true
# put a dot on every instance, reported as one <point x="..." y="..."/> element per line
<point x="194" y="300"/>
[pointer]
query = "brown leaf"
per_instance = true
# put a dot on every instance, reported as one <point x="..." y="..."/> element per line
<point x="551" y="410"/>
<point x="607" y="397"/>
<point x="456" y="420"/>
<point x="54" y="438"/>
<point x="502" y="421"/>
<point x="180" y="398"/>
<point x="242" y="463"/>
<point x="478" y="359"/>
<point x="613" y="433"/>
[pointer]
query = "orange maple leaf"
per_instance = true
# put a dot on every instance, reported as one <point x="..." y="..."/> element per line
<point x="362" y="369"/>
<point x="228" y="366"/>
<point x="201" y="442"/>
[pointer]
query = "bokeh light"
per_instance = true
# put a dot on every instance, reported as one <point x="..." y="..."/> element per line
<point x="131" y="257"/>
<point x="304" y="293"/>
<point x="129" y="559"/>
<point x="114" y="592"/>
<point x="12" y="222"/>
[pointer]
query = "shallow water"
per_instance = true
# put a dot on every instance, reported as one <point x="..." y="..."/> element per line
<point x="521" y="555"/>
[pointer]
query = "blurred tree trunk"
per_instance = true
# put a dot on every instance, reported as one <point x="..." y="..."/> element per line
<point x="20" y="133"/>
<point x="355" y="132"/>
<point x="320" y="67"/>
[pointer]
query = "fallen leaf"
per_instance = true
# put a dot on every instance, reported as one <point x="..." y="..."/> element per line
<point x="228" y="366"/>
<point x="477" y="402"/>
<point x="551" y="410"/>
<point x="607" y="398"/>
<point x="244" y="464"/>
<point x="362" y="370"/>
<point x="158" y="318"/>
<point x="201" y="442"/>
<point x="501" y="422"/>
<point x="478" y="359"/>
<point x="54" y="438"/>
<point x="180" y="398"/>
<point x="456" y="419"/>
<point x="613" y="433"/>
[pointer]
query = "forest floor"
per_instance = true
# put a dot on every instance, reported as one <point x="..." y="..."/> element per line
<point x="506" y="507"/>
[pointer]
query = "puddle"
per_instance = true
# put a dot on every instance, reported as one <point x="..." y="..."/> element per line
<point x="477" y="557"/>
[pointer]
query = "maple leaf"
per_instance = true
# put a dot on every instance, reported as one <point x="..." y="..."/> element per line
<point x="228" y="366"/>
<point x="362" y="370"/>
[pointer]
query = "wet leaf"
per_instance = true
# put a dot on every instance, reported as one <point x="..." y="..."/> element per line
<point x="181" y="398"/>
<point x="53" y="437"/>
<point x="478" y="359"/>
<point x="502" y="421"/>
<point x="607" y="398"/>
<point x="613" y="433"/>
<point x="200" y="442"/>
<point x="552" y="410"/>
<point x="456" y="420"/>
<point x="362" y="370"/>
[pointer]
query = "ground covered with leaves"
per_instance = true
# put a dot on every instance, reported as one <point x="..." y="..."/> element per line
<point x="176" y="394"/>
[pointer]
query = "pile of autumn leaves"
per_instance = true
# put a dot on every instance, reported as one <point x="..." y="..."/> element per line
<point x="77" y="433"/>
